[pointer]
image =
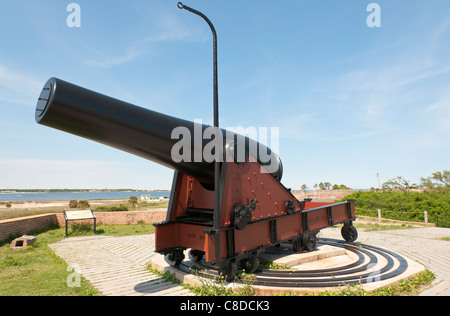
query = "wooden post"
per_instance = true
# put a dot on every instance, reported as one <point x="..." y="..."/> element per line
<point x="425" y="214"/>
<point x="379" y="216"/>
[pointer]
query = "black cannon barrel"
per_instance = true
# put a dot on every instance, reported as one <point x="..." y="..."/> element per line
<point x="136" y="130"/>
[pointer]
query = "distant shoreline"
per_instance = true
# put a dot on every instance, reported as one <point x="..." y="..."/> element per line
<point x="61" y="201"/>
<point x="77" y="195"/>
<point x="15" y="191"/>
<point x="17" y="209"/>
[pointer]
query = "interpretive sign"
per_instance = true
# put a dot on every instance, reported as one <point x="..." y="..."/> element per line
<point x="80" y="215"/>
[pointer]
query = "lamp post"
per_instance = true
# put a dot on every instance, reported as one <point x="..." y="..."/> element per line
<point x="216" y="125"/>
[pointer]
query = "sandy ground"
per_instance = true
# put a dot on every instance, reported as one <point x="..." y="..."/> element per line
<point x="21" y="205"/>
<point x="30" y="208"/>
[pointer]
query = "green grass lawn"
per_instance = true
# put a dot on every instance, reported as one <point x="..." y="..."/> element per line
<point x="36" y="271"/>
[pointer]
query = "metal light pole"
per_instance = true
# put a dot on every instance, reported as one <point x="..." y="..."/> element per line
<point x="216" y="125"/>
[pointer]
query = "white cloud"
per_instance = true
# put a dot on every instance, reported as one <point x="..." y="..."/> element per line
<point x="18" y="88"/>
<point x="108" y="62"/>
<point x="378" y="97"/>
<point x="437" y="119"/>
<point x="171" y="30"/>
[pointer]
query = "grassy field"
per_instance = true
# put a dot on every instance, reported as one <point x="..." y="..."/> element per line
<point x="36" y="271"/>
<point x="367" y="223"/>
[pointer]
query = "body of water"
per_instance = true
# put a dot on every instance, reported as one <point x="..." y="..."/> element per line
<point x="10" y="197"/>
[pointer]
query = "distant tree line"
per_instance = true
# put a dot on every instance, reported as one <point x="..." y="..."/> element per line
<point x="66" y="190"/>
<point x="326" y="186"/>
<point x="437" y="181"/>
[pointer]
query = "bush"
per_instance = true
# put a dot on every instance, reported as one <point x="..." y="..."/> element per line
<point x="83" y="204"/>
<point x="406" y="206"/>
<point x="120" y="208"/>
<point x="73" y="204"/>
<point x="115" y="208"/>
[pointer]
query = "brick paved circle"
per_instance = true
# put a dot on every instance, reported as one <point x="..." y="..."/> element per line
<point x="420" y="244"/>
<point x="117" y="265"/>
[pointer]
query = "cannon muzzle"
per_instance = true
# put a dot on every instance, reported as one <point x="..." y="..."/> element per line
<point x="133" y="129"/>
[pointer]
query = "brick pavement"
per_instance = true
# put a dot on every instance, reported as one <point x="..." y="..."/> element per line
<point x="420" y="244"/>
<point x="116" y="266"/>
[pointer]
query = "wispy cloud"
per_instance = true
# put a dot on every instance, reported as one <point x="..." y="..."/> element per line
<point x="107" y="62"/>
<point x="170" y="29"/>
<point x="18" y="88"/>
<point x="378" y="97"/>
<point x="437" y="118"/>
<point x="364" y="103"/>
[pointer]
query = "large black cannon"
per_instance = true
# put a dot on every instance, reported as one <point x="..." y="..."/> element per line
<point x="255" y="211"/>
<point x="137" y="130"/>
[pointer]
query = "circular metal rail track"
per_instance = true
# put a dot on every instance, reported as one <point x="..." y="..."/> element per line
<point x="366" y="268"/>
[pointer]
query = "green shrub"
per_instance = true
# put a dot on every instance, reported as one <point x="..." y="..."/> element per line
<point x="114" y="208"/>
<point x="406" y="206"/>
<point x="120" y="208"/>
<point x="73" y="204"/>
<point x="83" y="204"/>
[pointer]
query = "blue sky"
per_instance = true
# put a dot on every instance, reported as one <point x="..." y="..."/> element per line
<point x="350" y="101"/>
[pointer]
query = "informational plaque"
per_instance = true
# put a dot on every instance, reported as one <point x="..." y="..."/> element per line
<point x="80" y="215"/>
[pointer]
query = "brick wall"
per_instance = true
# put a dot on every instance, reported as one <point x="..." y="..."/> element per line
<point x="21" y="226"/>
<point x="113" y="218"/>
<point x="24" y="225"/>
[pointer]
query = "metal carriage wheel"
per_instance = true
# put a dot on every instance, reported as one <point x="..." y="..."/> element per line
<point x="309" y="241"/>
<point x="349" y="232"/>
